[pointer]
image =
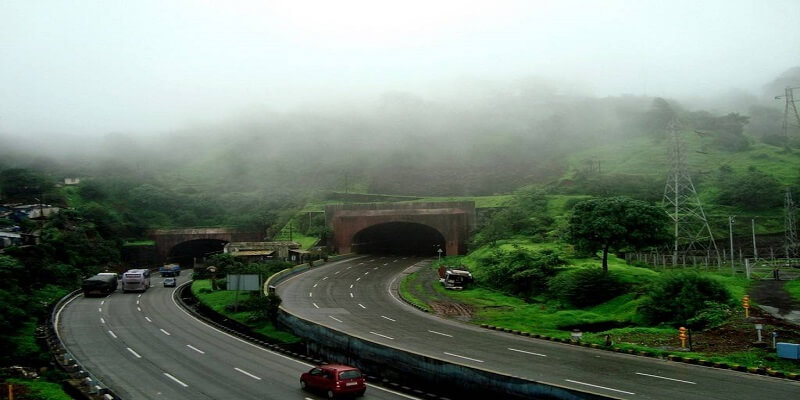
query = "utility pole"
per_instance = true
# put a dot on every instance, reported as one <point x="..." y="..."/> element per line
<point x="790" y="240"/>
<point x="753" y="228"/>
<point x="730" y="233"/>
<point x="691" y="230"/>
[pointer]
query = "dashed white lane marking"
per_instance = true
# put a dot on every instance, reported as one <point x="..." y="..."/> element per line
<point x="664" y="377"/>
<point x="99" y="310"/>
<point x="337" y="272"/>
<point x="324" y="278"/>
<point x="139" y="296"/>
<point x="464" y="357"/>
<point x="351" y="295"/>
<point x="351" y="286"/>
<point x="165" y="332"/>
<point x="315" y="305"/>
<point x="139" y="308"/>
<point x="310" y="294"/>
<point x="385" y="317"/>
<point x="440" y="333"/>
<point x="315" y="285"/>
<point x="102" y="302"/>
<point x="383" y="336"/>
<point x="148" y="319"/>
<point x="247" y="373"/>
<point x="195" y="349"/>
<point x="375" y="269"/>
<point x="358" y="279"/>
<point x="362" y="306"/>
<point x="385" y="264"/>
<point x="134" y="353"/>
<point x="599" y="387"/>
<point x="175" y="379"/>
<point x="102" y="321"/>
<point x="112" y="334"/>
<point x="334" y="318"/>
<point x="350" y="267"/>
<point x="527" y="352"/>
<point x="366" y="273"/>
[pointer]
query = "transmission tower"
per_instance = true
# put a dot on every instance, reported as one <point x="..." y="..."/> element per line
<point x="789" y="107"/>
<point x="791" y="241"/>
<point x="692" y="232"/>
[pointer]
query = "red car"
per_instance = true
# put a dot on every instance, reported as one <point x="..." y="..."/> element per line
<point x="334" y="380"/>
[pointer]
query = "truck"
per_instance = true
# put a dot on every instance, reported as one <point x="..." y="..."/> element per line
<point x="100" y="285"/>
<point x="454" y="278"/>
<point x="170" y="270"/>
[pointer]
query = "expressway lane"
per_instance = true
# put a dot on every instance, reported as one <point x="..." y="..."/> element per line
<point x="144" y="346"/>
<point x="356" y="296"/>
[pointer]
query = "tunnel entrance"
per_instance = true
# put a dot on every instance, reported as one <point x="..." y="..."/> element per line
<point x="186" y="253"/>
<point x="403" y="238"/>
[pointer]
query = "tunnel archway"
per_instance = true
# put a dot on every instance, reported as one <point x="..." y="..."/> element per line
<point x="406" y="238"/>
<point x="186" y="253"/>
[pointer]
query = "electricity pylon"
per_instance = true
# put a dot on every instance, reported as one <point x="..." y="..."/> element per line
<point x="691" y="229"/>
<point x="789" y="107"/>
<point x="790" y="241"/>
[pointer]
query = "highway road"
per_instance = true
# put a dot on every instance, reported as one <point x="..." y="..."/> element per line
<point x="144" y="346"/>
<point x="356" y="296"/>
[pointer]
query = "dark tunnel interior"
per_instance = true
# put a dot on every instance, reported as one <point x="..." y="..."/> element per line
<point x="186" y="253"/>
<point x="401" y="238"/>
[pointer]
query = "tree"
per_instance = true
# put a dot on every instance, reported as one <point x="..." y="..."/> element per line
<point x="616" y="223"/>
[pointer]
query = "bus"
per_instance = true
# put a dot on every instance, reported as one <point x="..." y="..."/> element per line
<point x="136" y="279"/>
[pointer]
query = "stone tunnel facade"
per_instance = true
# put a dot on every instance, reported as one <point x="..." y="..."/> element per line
<point x="453" y="220"/>
<point x="166" y="239"/>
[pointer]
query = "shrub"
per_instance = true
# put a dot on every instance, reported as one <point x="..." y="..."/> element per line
<point x="680" y="298"/>
<point x="522" y="272"/>
<point x="586" y="287"/>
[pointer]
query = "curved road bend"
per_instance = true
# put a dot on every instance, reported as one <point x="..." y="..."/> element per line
<point x="356" y="296"/>
<point x="144" y="346"/>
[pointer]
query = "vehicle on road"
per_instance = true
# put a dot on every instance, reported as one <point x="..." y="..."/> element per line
<point x="170" y="282"/>
<point x="136" y="279"/>
<point x="100" y="284"/>
<point x="170" y="270"/>
<point x="334" y="380"/>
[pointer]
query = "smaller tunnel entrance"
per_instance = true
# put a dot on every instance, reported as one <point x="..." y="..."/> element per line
<point x="185" y="253"/>
<point x="404" y="238"/>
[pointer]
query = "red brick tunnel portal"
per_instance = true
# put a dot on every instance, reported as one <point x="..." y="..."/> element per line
<point x="401" y="228"/>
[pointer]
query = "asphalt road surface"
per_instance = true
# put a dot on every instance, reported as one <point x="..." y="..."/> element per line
<point x="358" y="296"/>
<point x="144" y="346"/>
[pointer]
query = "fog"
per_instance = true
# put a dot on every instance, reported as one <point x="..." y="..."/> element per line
<point x="152" y="67"/>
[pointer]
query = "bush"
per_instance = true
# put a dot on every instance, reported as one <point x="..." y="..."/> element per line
<point x="522" y="272"/>
<point x="685" y="298"/>
<point x="586" y="287"/>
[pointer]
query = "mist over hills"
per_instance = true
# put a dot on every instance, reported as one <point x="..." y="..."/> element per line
<point x="486" y="138"/>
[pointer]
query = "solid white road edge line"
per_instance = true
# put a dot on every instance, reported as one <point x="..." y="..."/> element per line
<point x="466" y="358"/>
<point x="176" y="380"/>
<point x="664" y="377"/>
<point x="195" y="349"/>
<point x="527" y="352"/>
<point x="599" y="387"/>
<point x="133" y="352"/>
<point x="247" y="373"/>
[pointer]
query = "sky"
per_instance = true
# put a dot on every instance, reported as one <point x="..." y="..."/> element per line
<point x="95" y="67"/>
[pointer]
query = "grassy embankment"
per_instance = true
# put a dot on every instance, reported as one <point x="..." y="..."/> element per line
<point x="36" y="389"/>
<point x="219" y="299"/>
